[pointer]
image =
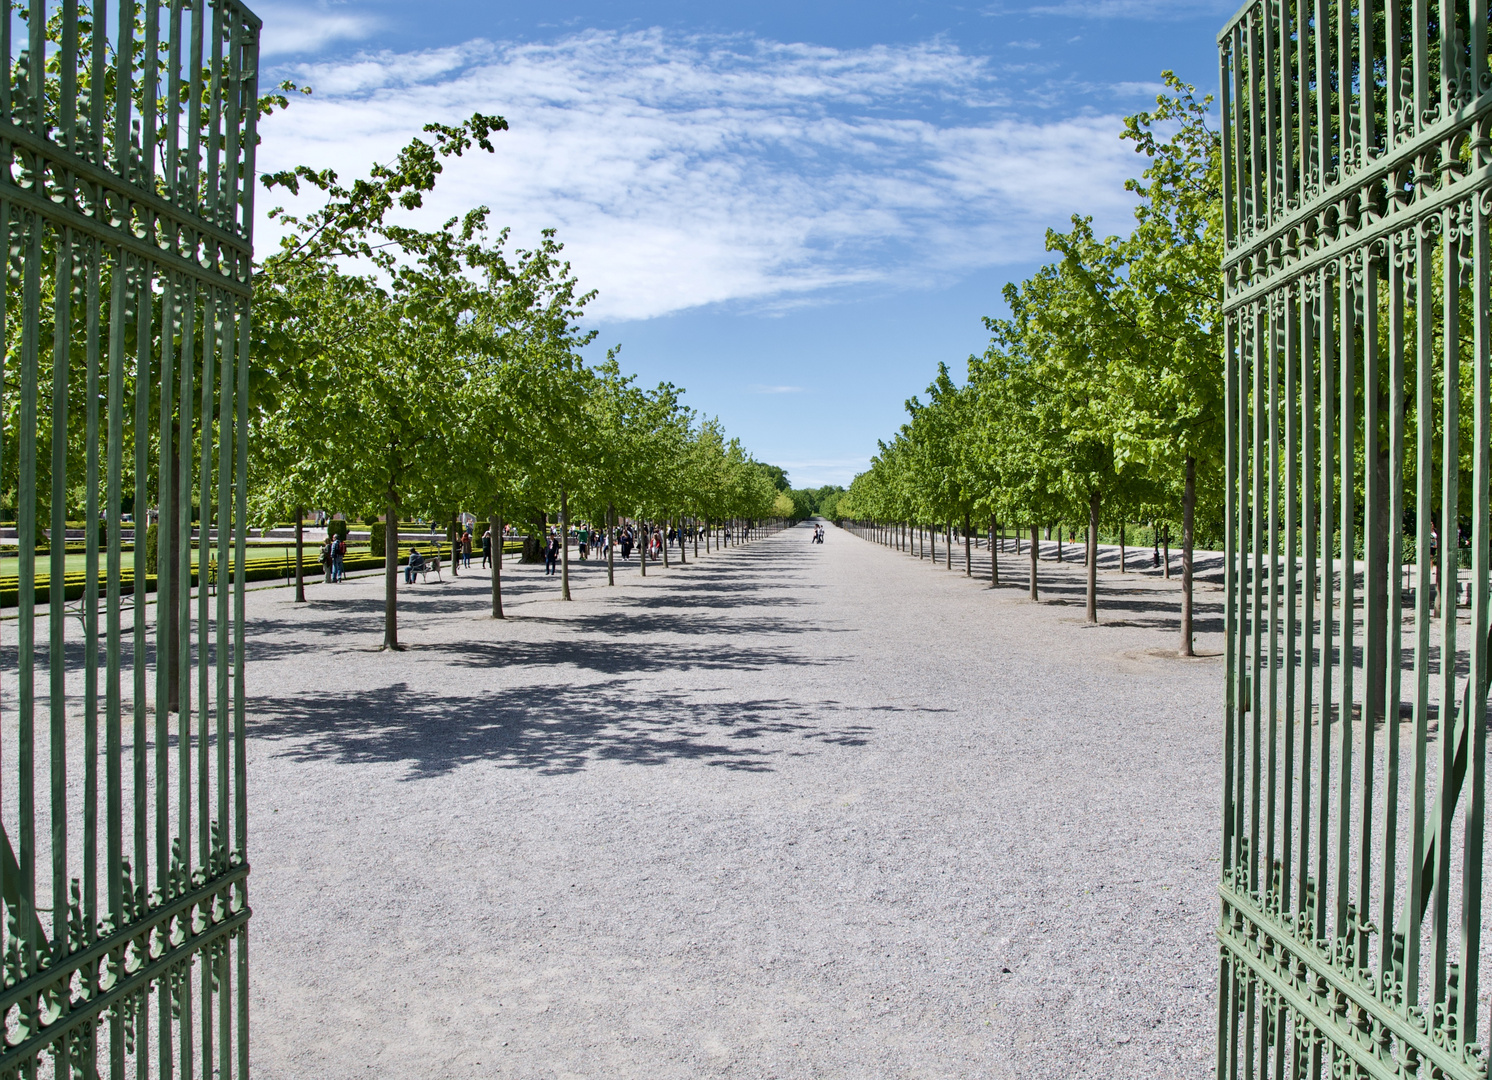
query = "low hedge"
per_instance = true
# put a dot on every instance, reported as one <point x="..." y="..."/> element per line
<point x="74" y="548"/>
<point x="379" y="531"/>
<point x="254" y="570"/>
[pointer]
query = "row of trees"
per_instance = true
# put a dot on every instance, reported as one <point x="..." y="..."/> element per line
<point x="1101" y="395"/>
<point x="413" y="373"/>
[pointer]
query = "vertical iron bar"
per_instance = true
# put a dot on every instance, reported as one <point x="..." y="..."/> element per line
<point x="1374" y="562"/>
<point x="1475" y="824"/>
<point x="1290" y="396"/>
<point x="248" y="58"/>
<point x="1328" y="587"/>
<point x="1257" y="473"/>
<point x="26" y="599"/>
<point x="57" y="591"/>
<point x="1450" y="430"/>
<point x="1310" y="287"/>
<point x="1346" y="500"/>
<point x="90" y="604"/>
<point x="1401" y="246"/>
<point x="113" y="735"/>
<point x="1424" y="413"/>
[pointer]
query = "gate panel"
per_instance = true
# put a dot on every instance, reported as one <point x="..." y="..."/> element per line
<point x="126" y="209"/>
<point x="1357" y="187"/>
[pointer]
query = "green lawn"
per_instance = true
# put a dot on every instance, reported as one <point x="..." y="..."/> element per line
<point x="10" y="564"/>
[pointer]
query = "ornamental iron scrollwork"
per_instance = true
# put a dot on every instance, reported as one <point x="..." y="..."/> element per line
<point x="127" y="140"/>
<point x="1357" y="196"/>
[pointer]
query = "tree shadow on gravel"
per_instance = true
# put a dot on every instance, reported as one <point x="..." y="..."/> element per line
<point x="617" y="657"/>
<point x="1143" y="605"/>
<point x="552" y="730"/>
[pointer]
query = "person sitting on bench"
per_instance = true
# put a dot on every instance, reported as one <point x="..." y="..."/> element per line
<point x="416" y="564"/>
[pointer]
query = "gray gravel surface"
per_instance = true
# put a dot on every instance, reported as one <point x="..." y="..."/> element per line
<point x="789" y="811"/>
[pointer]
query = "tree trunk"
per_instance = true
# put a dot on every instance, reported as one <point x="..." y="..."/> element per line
<point x="391" y="574"/>
<point x="455" y="544"/>
<point x="1059" y="541"/>
<point x="694" y="529"/>
<point x="994" y="555"/>
<point x="948" y="546"/>
<point x="645" y="535"/>
<point x="300" y="570"/>
<point x="1035" y="540"/>
<point x="610" y="543"/>
<point x="495" y="525"/>
<point x="1166" y="548"/>
<point x="1122" y="560"/>
<point x="968" y="553"/>
<point x="663" y="536"/>
<point x="1188" y="508"/>
<point x="1093" y="504"/>
<point x="564" y="544"/>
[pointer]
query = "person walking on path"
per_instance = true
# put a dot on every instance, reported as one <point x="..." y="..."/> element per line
<point x="551" y="555"/>
<point x="466" y="548"/>
<point x="326" y="560"/>
<point x="487" y="548"/>
<point x="339" y="552"/>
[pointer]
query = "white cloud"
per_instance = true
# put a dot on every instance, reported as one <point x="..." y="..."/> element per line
<point x="304" y="28"/>
<point x="1133" y="9"/>
<point x="816" y="472"/>
<point x="1143" y="89"/>
<point x="684" y="171"/>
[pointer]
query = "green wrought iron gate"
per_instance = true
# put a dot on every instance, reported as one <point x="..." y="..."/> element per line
<point x="1357" y="190"/>
<point x="127" y="139"/>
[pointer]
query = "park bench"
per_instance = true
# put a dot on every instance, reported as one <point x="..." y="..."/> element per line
<point x="78" y="608"/>
<point x="432" y="566"/>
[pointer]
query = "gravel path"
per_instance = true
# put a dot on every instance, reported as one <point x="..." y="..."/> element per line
<point x="789" y="811"/>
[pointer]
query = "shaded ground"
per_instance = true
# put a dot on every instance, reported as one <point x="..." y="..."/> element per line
<point x="790" y="811"/>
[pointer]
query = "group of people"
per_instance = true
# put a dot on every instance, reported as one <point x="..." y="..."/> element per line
<point x="818" y="535"/>
<point x="333" y="551"/>
<point x="587" y="540"/>
<point x="461" y="555"/>
<point x="600" y="541"/>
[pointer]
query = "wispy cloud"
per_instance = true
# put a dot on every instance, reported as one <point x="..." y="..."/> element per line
<point x="1130" y="9"/>
<point x="816" y="472"/>
<point x="760" y="389"/>
<point x="1145" y="89"/>
<point x="307" y="28"/>
<point x="686" y="171"/>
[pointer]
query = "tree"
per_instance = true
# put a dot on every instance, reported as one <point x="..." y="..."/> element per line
<point x="358" y="402"/>
<point x="1175" y="255"/>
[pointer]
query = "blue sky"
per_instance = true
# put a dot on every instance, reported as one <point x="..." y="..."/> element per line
<point x="793" y="210"/>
